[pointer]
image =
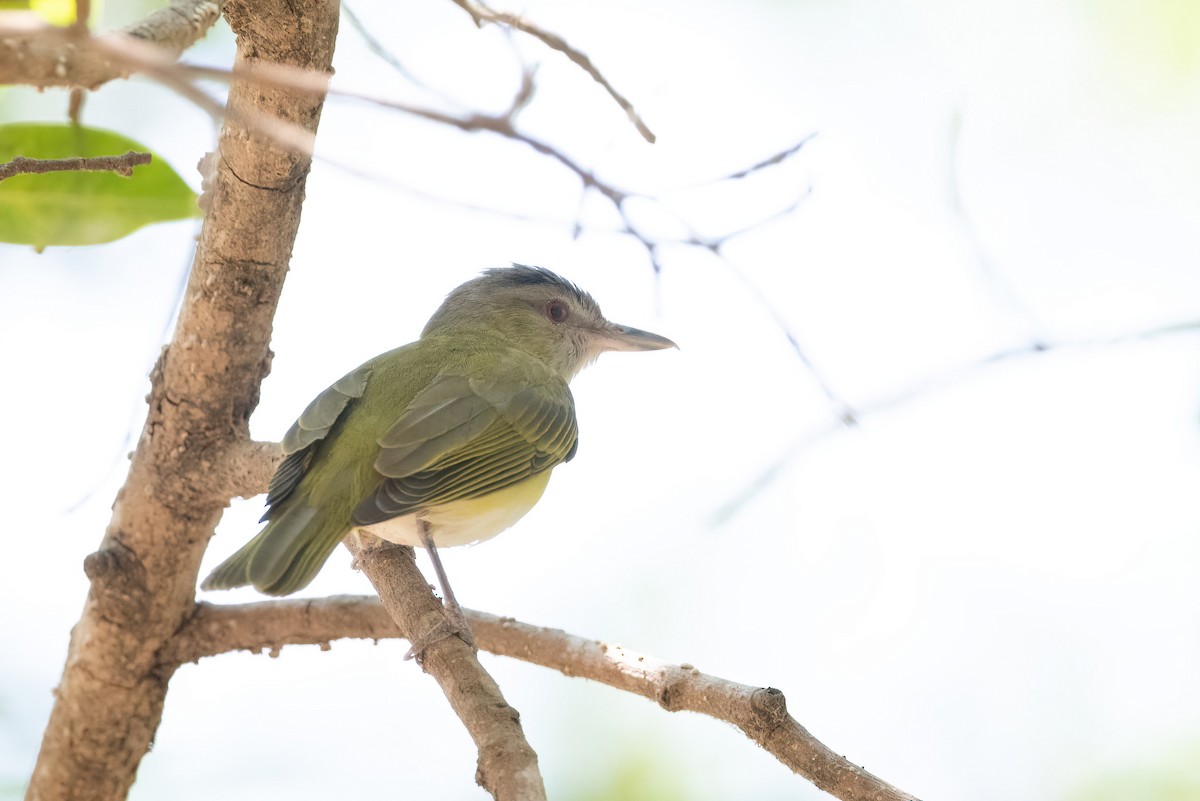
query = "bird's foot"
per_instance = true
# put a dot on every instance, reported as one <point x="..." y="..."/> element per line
<point x="453" y="624"/>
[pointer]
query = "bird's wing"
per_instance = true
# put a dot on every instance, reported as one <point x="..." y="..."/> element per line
<point x="467" y="436"/>
<point x="315" y="422"/>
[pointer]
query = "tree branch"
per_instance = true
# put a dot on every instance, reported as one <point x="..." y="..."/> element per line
<point x="481" y="14"/>
<point x="759" y="712"/>
<point x="203" y="389"/>
<point x="248" y="467"/>
<point x="121" y="165"/>
<point x="42" y="55"/>
<point x="507" y="766"/>
<point x="215" y="629"/>
<point x="179" y="77"/>
<point x="928" y="386"/>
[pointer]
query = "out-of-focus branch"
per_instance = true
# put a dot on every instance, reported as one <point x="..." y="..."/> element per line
<point x="770" y="161"/>
<point x="121" y="165"/>
<point x="928" y="386"/>
<point x="761" y="713"/>
<point x="388" y="57"/>
<point x="83" y="13"/>
<point x="179" y="76"/>
<point x="35" y="54"/>
<point x="481" y="14"/>
<point x="1002" y="289"/>
<point x="153" y="63"/>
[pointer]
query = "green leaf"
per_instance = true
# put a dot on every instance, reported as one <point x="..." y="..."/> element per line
<point x="83" y="208"/>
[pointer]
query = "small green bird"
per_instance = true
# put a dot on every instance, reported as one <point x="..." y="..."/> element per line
<point x="445" y="441"/>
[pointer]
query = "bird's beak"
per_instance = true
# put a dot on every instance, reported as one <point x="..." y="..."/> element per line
<point x="622" y="337"/>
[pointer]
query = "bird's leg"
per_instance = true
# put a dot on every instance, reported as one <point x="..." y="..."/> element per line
<point x="456" y="623"/>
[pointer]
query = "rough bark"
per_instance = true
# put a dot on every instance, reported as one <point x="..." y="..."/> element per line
<point x="759" y="712"/>
<point x="204" y="387"/>
<point x="508" y="766"/>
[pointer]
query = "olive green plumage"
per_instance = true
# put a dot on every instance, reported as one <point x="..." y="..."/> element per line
<point x="477" y="409"/>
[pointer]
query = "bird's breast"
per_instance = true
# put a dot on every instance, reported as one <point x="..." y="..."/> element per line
<point x="466" y="521"/>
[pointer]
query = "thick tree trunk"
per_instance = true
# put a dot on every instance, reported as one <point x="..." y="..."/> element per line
<point x="205" y="385"/>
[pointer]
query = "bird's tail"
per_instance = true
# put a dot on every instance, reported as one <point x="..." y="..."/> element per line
<point x="285" y="556"/>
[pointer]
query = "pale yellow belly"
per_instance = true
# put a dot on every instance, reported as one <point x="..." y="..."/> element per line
<point x="464" y="522"/>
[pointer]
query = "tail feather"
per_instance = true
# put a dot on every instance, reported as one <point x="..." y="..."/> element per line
<point x="232" y="572"/>
<point x="285" y="556"/>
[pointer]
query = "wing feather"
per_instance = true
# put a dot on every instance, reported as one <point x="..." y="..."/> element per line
<point x="465" y="437"/>
<point x="315" y="422"/>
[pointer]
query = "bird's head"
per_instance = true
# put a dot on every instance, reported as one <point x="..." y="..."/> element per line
<point x="541" y="313"/>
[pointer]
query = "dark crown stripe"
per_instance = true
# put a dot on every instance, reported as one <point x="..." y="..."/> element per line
<point x="525" y="275"/>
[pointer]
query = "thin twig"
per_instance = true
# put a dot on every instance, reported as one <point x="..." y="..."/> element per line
<point x="770" y="161"/>
<point x="121" y="165"/>
<point x="845" y="414"/>
<point x="388" y="57"/>
<point x="150" y="62"/>
<point x="923" y="388"/>
<point x="481" y="14"/>
<point x="1003" y="290"/>
<point x="760" y="712"/>
<point x="75" y="104"/>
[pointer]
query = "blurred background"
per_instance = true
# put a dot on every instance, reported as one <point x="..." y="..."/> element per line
<point x="989" y="251"/>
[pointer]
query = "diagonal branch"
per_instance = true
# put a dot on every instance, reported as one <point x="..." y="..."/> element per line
<point x="507" y="767"/>
<point x="760" y="713"/>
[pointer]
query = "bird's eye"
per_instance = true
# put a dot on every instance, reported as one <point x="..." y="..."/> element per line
<point x="557" y="311"/>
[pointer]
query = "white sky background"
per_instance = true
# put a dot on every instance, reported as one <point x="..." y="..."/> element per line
<point x="986" y="591"/>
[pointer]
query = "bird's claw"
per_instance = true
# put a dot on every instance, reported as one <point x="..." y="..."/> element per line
<point x="453" y="624"/>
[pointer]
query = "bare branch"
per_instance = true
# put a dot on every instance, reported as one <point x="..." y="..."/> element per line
<point x="924" y="387"/>
<point x="1003" y="290"/>
<point x="36" y="54"/>
<point x="267" y="626"/>
<point x="248" y="467"/>
<point x="961" y="372"/>
<point x="770" y="161"/>
<point x="845" y="414"/>
<point x="481" y="14"/>
<point x="507" y="766"/>
<point x="842" y="410"/>
<point x="759" y="712"/>
<point x="152" y="63"/>
<point x="388" y="57"/>
<point x="121" y="165"/>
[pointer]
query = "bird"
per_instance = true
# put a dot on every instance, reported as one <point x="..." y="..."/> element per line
<point x="445" y="441"/>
